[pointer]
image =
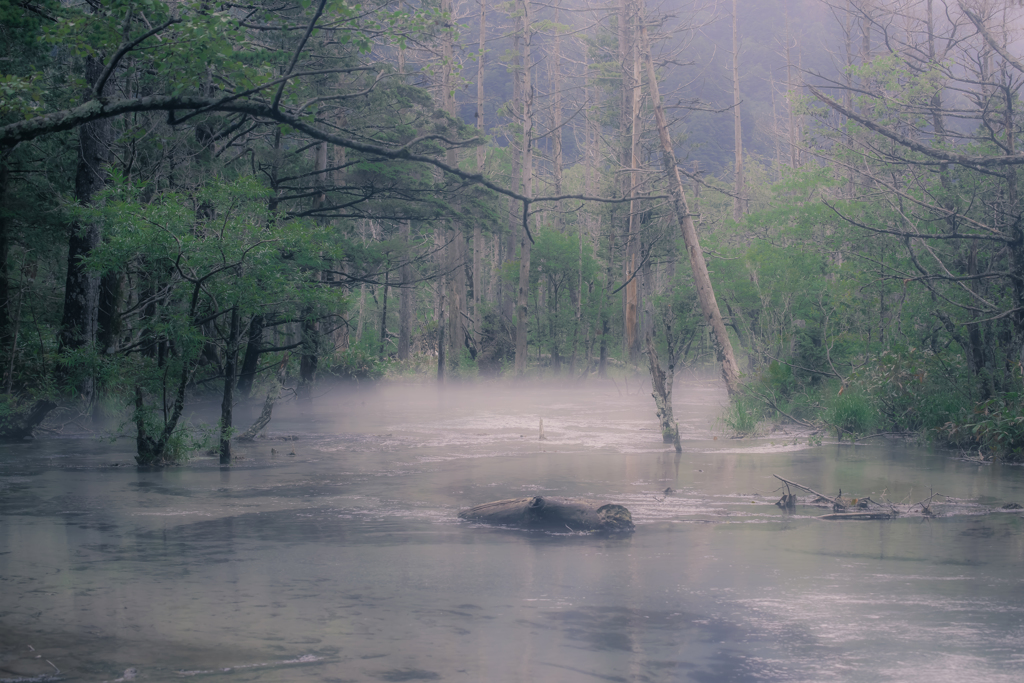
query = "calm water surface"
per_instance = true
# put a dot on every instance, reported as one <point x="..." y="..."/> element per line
<point x="339" y="557"/>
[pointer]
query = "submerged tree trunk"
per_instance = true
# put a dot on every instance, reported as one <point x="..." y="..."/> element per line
<point x="706" y="294"/>
<point x="661" y="390"/>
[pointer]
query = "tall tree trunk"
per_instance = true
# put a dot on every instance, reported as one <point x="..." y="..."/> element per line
<point x="440" y="333"/>
<point x="794" y="153"/>
<point x="508" y="245"/>
<point x="631" y="293"/>
<point x="81" y="289"/>
<point x="555" y="65"/>
<point x="384" y="317"/>
<point x="5" y="249"/>
<point x="254" y="344"/>
<point x="629" y="138"/>
<point x="405" y="307"/>
<point x="108" y="315"/>
<point x="705" y="293"/>
<point x="739" y="202"/>
<point x="457" y="313"/>
<point x="524" y="256"/>
<point x="456" y="249"/>
<point x="228" y="400"/>
<point x="602" y="364"/>
<point x="578" y="300"/>
<point x="309" y="361"/>
<point x="478" y="238"/>
<point x="251" y="358"/>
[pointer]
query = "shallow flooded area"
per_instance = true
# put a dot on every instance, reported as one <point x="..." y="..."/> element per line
<point x="332" y="551"/>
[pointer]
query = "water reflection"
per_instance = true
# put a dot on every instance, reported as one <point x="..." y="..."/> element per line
<point x="346" y="561"/>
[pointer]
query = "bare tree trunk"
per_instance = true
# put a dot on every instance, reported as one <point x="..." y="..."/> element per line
<point x="507" y="248"/>
<point x="457" y="300"/>
<point x="456" y="249"/>
<point x="384" y="316"/>
<point x="579" y="300"/>
<point x="706" y="294"/>
<point x="794" y="154"/>
<point x="405" y="310"/>
<point x="440" y="334"/>
<point x="739" y="202"/>
<point x="602" y="364"/>
<point x="555" y="66"/>
<point x="478" y="238"/>
<point x="629" y="53"/>
<point x="524" y="256"/>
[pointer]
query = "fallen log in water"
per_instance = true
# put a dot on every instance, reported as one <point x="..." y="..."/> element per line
<point x="873" y="514"/>
<point x="553" y="514"/>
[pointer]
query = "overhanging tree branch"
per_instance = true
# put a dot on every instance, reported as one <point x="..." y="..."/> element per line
<point x="902" y="140"/>
<point x="95" y="110"/>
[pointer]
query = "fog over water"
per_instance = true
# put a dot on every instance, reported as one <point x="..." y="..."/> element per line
<point x="339" y="556"/>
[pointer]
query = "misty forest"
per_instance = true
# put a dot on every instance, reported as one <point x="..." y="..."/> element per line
<point x="817" y="199"/>
<point x="511" y="341"/>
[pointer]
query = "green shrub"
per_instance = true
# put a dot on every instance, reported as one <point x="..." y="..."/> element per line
<point x="850" y="412"/>
<point x="464" y="366"/>
<point x="997" y="425"/>
<point x="914" y="390"/>
<point x="743" y="415"/>
<point x="356" y="363"/>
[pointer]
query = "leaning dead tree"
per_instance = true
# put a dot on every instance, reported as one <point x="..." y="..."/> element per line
<point x="705" y="292"/>
<point x="662" y="392"/>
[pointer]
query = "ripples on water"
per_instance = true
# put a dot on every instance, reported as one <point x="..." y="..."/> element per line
<point x="339" y="557"/>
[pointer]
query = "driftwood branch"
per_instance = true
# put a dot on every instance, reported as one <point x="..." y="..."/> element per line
<point x="834" y="501"/>
<point x="839" y="507"/>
